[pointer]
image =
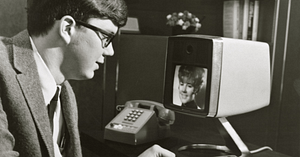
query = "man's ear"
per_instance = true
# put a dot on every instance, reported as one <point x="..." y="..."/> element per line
<point x="67" y="28"/>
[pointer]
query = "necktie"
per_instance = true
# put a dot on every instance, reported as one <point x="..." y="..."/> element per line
<point x="52" y="106"/>
<point x="51" y="109"/>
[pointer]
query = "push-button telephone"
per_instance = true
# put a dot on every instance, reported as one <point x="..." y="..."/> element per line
<point x="139" y="122"/>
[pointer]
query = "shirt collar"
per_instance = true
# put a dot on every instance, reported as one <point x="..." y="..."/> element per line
<point x="47" y="81"/>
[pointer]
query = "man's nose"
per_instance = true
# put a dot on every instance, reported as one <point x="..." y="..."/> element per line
<point x="109" y="50"/>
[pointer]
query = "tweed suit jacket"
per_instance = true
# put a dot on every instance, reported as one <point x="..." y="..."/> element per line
<point x="24" y="123"/>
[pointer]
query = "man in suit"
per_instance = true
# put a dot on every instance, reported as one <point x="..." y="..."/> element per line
<point x="65" y="39"/>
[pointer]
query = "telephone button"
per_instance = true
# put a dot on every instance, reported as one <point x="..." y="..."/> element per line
<point x="112" y="125"/>
<point x="116" y="126"/>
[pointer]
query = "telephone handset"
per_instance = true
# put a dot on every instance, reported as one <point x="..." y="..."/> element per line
<point x="139" y="122"/>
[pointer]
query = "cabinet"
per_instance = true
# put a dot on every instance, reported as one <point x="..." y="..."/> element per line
<point x="284" y="129"/>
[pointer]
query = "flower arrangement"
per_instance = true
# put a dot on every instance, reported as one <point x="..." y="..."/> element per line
<point x="184" y="19"/>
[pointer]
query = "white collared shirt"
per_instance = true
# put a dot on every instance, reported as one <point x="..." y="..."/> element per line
<point x="49" y="87"/>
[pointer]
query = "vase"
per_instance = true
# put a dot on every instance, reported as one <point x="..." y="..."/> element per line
<point x="177" y="30"/>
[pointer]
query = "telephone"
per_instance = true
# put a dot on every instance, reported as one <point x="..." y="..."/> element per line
<point x="140" y="121"/>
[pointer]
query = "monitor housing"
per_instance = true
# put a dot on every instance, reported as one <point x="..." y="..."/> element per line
<point x="236" y="75"/>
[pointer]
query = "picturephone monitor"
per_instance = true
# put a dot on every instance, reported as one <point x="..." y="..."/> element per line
<point x="208" y="76"/>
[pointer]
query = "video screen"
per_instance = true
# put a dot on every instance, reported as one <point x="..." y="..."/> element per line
<point x="189" y="87"/>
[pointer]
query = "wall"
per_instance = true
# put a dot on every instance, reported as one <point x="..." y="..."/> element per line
<point x="141" y="68"/>
<point x="12" y="17"/>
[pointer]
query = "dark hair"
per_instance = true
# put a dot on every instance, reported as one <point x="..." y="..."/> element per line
<point x="43" y="13"/>
<point x="192" y="74"/>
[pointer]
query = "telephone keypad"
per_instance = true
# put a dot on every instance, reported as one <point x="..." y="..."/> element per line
<point x="133" y="115"/>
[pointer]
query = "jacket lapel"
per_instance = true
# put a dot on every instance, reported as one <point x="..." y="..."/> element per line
<point x="29" y="82"/>
<point x="70" y="113"/>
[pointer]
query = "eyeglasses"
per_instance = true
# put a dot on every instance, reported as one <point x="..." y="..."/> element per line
<point x="107" y="37"/>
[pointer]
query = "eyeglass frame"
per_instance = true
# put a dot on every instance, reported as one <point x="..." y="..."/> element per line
<point x="109" y="38"/>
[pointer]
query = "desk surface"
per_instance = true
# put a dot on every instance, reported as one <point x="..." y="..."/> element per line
<point x="185" y="131"/>
<point x="93" y="141"/>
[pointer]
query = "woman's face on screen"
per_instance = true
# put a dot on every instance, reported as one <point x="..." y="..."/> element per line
<point x="186" y="91"/>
